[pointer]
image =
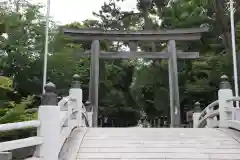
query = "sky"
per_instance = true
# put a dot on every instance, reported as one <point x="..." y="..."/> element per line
<point x="67" y="11"/>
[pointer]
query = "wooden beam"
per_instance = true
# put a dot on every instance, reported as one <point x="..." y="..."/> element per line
<point x="176" y="34"/>
<point x="149" y="55"/>
<point x="185" y="37"/>
<point x="94" y="31"/>
<point x="94" y="80"/>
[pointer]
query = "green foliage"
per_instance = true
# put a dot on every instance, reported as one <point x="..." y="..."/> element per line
<point x="17" y="112"/>
<point x="5" y="88"/>
<point x="126" y="86"/>
<point x="5" y="83"/>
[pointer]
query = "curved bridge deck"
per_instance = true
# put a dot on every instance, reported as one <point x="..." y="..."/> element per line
<point x="158" y="143"/>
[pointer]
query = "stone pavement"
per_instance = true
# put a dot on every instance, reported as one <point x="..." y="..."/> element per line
<point x="158" y="143"/>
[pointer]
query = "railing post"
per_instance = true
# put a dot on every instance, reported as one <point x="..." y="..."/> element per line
<point x="89" y="109"/>
<point x="90" y="118"/>
<point x="49" y="130"/>
<point x="196" y="114"/>
<point x="76" y="92"/>
<point x="225" y="108"/>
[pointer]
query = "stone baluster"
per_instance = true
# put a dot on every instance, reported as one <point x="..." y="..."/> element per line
<point x="225" y="107"/>
<point x="196" y="114"/>
<point x="49" y="116"/>
<point x="89" y="109"/>
<point x="76" y="93"/>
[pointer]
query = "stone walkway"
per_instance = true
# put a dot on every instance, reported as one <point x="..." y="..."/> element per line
<point x="158" y="143"/>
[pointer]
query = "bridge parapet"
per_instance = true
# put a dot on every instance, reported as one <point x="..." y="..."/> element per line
<point x="207" y="117"/>
<point x="56" y="120"/>
<point x="223" y="107"/>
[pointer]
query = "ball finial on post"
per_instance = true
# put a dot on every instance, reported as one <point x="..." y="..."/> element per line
<point x="224" y="84"/>
<point x="76" y="81"/>
<point x="50" y="96"/>
<point x="50" y="87"/>
<point x="224" y="77"/>
<point x="197" y="107"/>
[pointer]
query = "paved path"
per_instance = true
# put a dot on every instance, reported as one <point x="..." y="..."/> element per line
<point x="158" y="143"/>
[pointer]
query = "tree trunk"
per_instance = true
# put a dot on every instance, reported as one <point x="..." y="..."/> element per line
<point x="223" y="23"/>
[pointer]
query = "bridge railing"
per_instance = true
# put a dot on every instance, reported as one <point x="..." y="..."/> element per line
<point x="208" y="117"/>
<point x="229" y="116"/>
<point x="234" y="123"/>
<point x="20" y="143"/>
<point x="56" y="120"/>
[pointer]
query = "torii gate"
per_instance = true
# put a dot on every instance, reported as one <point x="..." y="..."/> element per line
<point x="170" y="35"/>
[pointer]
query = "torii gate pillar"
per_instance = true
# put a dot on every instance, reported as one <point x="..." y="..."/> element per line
<point x="94" y="80"/>
<point x="173" y="85"/>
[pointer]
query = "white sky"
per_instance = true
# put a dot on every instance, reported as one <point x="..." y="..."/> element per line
<point x="67" y="11"/>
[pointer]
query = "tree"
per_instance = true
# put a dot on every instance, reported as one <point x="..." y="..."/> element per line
<point x="126" y="86"/>
<point x="24" y="45"/>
